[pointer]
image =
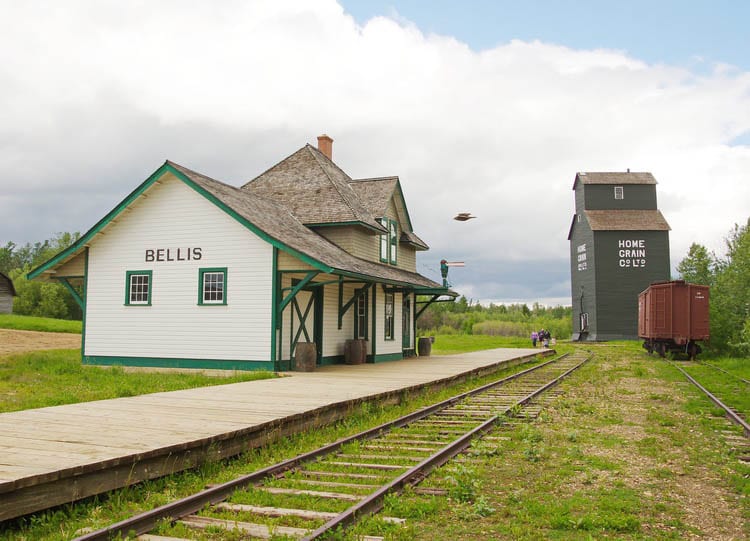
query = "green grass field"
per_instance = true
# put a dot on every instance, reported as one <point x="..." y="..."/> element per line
<point x="30" y="323"/>
<point x="54" y="377"/>
<point x="628" y="451"/>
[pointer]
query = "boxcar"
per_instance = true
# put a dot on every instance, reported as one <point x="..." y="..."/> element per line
<point x="673" y="316"/>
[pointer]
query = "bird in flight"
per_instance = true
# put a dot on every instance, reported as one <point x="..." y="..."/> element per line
<point x="463" y="216"/>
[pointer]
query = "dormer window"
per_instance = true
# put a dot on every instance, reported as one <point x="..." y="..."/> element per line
<point x="389" y="241"/>
<point x="619" y="192"/>
<point x="393" y="237"/>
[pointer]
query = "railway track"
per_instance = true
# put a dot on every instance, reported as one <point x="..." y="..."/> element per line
<point x="742" y="445"/>
<point x="719" y="369"/>
<point x="349" y="479"/>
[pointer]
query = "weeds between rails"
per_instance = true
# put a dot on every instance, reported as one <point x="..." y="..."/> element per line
<point x="355" y="455"/>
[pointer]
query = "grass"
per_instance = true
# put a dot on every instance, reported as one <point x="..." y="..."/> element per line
<point x="30" y="323"/>
<point x="449" y="344"/>
<point x="63" y="522"/>
<point x="622" y="454"/>
<point x="628" y="451"/>
<point x="55" y="377"/>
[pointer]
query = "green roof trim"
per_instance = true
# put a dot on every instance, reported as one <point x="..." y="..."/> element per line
<point x="244" y="221"/>
<point x="140" y="190"/>
<point x="339" y="224"/>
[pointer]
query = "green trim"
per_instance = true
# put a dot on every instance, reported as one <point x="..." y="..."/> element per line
<point x="85" y="299"/>
<point x="201" y="274"/>
<point x="73" y="292"/>
<point x="331" y="359"/>
<point x="385" y="357"/>
<point x="128" y="274"/>
<point x="393" y="242"/>
<point x="361" y="293"/>
<point x="386" y="236"/>
<point x="340" y="224"/>
<point x="135" y="194"/>
<point x="374" y="334"/>
<point x="403" y="202"/>
<point x="101" y="224"/>
<point x="426" y="305"/>
<point x="244" y="221"/>
<point x="343" y="309"/>
<point x="295" y="289"/>
<point x="274" y="301"/>
<point x="161" y="362"/>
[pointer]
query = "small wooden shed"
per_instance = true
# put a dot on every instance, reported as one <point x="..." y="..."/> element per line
<point x="7" y="292"/>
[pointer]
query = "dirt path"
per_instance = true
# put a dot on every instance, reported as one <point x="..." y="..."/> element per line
<point x="13" y="341"/>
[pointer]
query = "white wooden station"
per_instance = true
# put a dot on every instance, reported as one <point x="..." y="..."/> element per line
<point x="189" y="272"/>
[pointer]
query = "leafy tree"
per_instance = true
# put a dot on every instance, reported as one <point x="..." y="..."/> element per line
<point x="38" y="298"/>
<point x="730" y="296"/>
<point x="698" y="266"/>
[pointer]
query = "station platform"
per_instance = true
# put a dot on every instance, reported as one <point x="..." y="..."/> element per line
<point x="60" y="454"/>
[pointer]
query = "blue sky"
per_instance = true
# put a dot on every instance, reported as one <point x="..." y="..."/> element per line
<point x="686" y="33"/>
<point x="485" y="106"/>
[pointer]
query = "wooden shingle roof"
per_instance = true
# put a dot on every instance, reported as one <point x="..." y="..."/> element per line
<point x="314" y="189"/>
<point x="278" y="222"/>
<point x="376" y="194"/>
<point x="626" y="220"/>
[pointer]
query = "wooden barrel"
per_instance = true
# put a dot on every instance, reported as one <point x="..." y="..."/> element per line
<point x="355" y="351"/>
<point x="305" y="356"/>
<point x="424" y="346"/>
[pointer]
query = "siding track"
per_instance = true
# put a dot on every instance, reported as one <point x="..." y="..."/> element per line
<point x="739" y="444"/>
<point x="348" y="480"/>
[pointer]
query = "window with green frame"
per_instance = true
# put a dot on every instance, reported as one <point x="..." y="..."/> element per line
<point x="388" y="316"/>
<point x="212" y="286"/>
<point x="384" y="241"/>
<point x="360" y="316"/>
<point x="138" y="287"/>
<point x="389" y="241"/>
<point x="393" y="240"/>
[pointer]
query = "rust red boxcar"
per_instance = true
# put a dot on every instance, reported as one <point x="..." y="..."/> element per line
<point x="673" y="316"/>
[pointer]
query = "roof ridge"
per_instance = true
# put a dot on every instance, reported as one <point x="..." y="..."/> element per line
<point x="333" y="182"/>
<point x="374" y="179"/>
<point x="256" y="177"/>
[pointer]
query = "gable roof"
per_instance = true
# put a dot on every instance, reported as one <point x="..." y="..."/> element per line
<point x="377" y="193"/>
<point x="268" y="219"/>
<point x="11" y="288"/>
<point x="614" y="178"/>
<point x="314" y="189"/>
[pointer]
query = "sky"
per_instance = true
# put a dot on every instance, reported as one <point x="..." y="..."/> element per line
<point x="489" y="107"/>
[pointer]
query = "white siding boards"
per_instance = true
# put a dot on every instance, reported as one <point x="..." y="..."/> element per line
<point x="189" y="272"/>
<point x="170" y="223"/>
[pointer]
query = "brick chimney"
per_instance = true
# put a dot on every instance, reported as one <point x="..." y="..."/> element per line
<point x="325" y="145"/>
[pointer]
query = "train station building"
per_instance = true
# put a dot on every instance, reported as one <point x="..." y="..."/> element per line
<point x="190" y="272"/>
<point x="619" y="245"/>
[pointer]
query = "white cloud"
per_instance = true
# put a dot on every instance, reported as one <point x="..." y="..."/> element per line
<point x="96" y="95"/>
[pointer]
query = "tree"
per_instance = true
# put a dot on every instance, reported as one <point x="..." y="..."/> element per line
<point x="698" y="266"/>
<point x="37" y="298"/>
<point x="730" y="295"/>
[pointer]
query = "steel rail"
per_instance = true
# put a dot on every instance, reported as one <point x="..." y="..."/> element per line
<point x="730" y="413"/>
<point x="374" y="502"/>
<point x="735" y="376"/>
<point x="148" y="520"/>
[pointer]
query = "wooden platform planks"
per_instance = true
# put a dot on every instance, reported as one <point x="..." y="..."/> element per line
<point x="63" y="453"/>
